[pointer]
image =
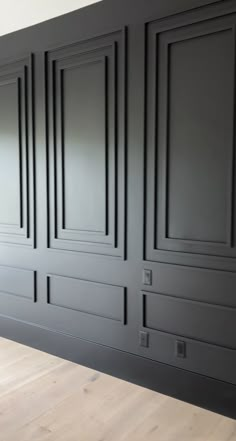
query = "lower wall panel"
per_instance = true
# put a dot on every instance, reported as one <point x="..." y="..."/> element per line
<point x="192" y="319"/>
<point x="99" y="299"/>
<point x="201" y="358"/>
<point x="18" y="282"/>
<point x="205" y="285"/>
<point x="87" y="309"/>
<point x="169" y="321"/>
<point x="211" y="394"/>
<point x="69" y="307"/>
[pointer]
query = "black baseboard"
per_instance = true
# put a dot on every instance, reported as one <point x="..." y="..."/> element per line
<point x="205" y="392"/>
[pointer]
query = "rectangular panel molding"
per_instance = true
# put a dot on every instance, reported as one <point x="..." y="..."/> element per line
<point x="190" y="139"/>
<point x="18" y="283"/>
<point x="87" y="297"/>
<point x="188" y="318"/>
<point x="86" y="146"/>
<point x="17" y="186"/>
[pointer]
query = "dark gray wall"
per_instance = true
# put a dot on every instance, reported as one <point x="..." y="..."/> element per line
<point x="117" y="180"/>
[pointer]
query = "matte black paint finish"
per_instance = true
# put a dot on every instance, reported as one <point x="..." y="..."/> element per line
<point x="117" y="229"/>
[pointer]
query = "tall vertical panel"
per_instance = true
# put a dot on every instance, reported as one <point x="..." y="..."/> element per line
<point x="200" y="137"/>
<point x="10" y="154"/>
<point x="85" y="154"/>
<point x="17" y="194"/>
<point x="190" y="139"/>
<point x="85" y="100"/>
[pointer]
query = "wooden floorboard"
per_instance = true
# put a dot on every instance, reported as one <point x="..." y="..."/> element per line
<point x="44" y="398"/>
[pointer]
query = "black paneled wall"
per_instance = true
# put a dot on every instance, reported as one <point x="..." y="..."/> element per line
<point x="117" y="193"/>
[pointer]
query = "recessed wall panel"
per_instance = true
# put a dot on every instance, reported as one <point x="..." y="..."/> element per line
<point x="17" y="186"/>
<point x="10" y="151"/>
<point x="18" y="282"/>
<point x="190" y="319"/>
<point x="85" y="147"/>
<point x="200" y="127"/>
<point x="86" y="87"/>
<point x="190" y="142"/>
<point x="91" y="298"/>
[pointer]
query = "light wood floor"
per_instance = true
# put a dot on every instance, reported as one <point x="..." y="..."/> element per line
<point x="44" y="398"/>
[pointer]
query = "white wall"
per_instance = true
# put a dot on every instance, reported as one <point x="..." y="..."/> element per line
<point x="18" y="14"/>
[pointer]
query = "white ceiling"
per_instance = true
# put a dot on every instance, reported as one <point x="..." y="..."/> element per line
<point x="18" y="14"/>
